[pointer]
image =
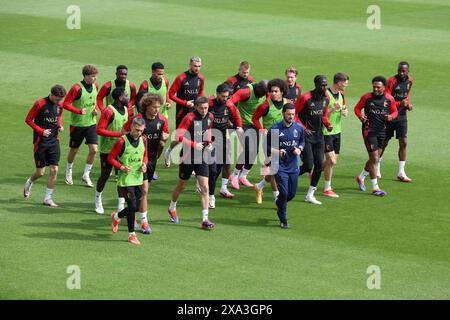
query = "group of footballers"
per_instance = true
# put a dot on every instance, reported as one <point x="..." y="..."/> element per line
<point x="299" y="133"/>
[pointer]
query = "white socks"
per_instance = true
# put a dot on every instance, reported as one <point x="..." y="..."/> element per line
<point x="167" y="153"/>
<point x="173" y="205"/>
<point x="244" y="173"/>
<point x="275" y="194"/>
<point x="223" y="188"/>
<point x="205" y="214"/>
<point x="48" y="194"/>
<point x="401" y="168"/>
<point x="261" y="184"/>
<point x="87" y="170"/>
<point x="69" y="166"/>
<point x="311" y="191"/>
<point x="327" y="185"/>
<point x="363" y="174"/>
<point x="374" y="184"/>
<point x="98" y="195"/>
<point x="143" y="217"/>
<point x="236" y="173"/>
<point x="120" y="204"/>
<point x="29" y="183"/>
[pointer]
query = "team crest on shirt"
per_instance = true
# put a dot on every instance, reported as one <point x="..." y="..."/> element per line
<point x="407" y="86"/>
<point x="312" y="104"/>
<point x="385" y="104"/>
<point x="197" y="123"/>
<point x="198" y="83"/>
<point x="295" y="133"/>
<point x="225" y="112"/>
<point x="186" y="83"/>
<point x="158" y="126"/>
<point x="209" y="122"/>
<point x="58" y="109"/>
<point x="397" y="88"/>
<point x="324" y="103"/>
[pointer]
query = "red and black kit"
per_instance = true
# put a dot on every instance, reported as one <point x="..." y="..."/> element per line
<point x="238" y="82"/>
<point x="224" y="113"/>
<point x="187" y="86"/>
<point x="400" y="89"/>
<point x="195" y="129"/>
<point x="312" y="113"/>
<point x="376" y="109"/>
<point x="293" y="93"/>
<point x="43" y="115"/>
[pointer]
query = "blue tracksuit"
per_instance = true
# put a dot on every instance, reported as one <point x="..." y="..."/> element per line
<point x="288" y="166"/>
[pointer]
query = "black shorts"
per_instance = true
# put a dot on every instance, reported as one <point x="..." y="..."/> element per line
<point x="151" y="167"/>
<point x="47" y="155"/>
<point x="374" y="141"/>
<point x="185" y="170"/>
<point x="400" y="127"/>
<point x="332" y="143"/>
<point x="78" y="134"/>
<point x="131" y="194"/>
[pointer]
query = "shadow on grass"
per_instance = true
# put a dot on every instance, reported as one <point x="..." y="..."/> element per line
<point x="73" y="236"/>
<point x="259" y="222"/>
<point x="98" y="230"/>
<point x="101" y="224"/>
<point x="36" y="207"/>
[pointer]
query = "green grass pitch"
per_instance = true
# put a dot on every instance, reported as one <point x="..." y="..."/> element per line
<point x="328" y="249"/>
